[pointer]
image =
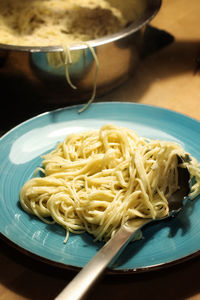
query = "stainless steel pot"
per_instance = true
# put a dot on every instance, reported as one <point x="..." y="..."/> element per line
<point x="118" y="55"/>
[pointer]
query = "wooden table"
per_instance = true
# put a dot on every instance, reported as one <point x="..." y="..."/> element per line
<point x="169" y="78"/>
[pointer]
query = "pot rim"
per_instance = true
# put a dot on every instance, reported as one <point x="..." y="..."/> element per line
<point x="153" y="6"/>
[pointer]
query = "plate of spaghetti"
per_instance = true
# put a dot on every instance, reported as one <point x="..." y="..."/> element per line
<point x="69" y="181"/>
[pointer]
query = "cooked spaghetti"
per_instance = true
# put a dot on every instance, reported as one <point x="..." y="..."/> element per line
<point x="95" y="181"/>
<point x="62" y="22"/>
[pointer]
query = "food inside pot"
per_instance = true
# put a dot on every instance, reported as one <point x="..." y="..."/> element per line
<point x="61" y="22"/>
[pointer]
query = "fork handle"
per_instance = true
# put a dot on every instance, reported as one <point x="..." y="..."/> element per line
<point x="88" y="276"/>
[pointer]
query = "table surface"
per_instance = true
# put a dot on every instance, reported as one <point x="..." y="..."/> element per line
<point x="168" y="78"/>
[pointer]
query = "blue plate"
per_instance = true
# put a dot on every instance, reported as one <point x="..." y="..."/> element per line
<point x="163" y="244"/>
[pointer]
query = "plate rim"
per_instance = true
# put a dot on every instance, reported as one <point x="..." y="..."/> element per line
<point x="78" y="106"/>
<point x="108" y="271"/>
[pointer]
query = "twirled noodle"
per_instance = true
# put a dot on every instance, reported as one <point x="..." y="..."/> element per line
<point x="97" y="180"/>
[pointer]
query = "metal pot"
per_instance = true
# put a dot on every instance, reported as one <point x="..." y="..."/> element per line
<point x="28" y="69"/>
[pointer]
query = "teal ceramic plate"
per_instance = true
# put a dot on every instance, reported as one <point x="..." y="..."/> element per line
<point x="163" y="244"/>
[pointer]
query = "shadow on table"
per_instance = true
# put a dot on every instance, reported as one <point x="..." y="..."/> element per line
<point x="179" y="57"/>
